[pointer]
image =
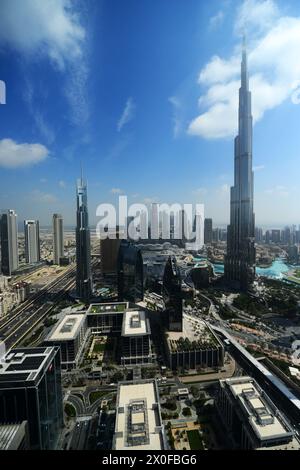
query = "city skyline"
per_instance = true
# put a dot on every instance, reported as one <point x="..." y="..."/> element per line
<point x="113" y="135"/>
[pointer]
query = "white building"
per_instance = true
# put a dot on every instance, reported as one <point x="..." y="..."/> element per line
<point x="136" y="345"/>
<point x="70" y="334"/>
<point x="32" y="241"/>
<point x="253" y="421"/>
<point x="138" y="418"/>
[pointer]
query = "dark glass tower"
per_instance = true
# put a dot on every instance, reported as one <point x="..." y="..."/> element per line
<point x="30" y="390"/>
<point x="172" y="295"/>
<point x="83" y="249"/>
<point x="130" y="273"/>
<point x="240" y="257"/>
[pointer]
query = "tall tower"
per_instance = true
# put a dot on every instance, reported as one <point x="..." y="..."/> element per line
<point x="32" y="241"/>
<point x="58" y="238"/>
<point x="240" y="257"/>
<point x="83" y="249"/>
<point x="9" y="242"/>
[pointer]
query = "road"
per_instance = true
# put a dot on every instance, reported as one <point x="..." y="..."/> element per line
<point x="33" y="311"/>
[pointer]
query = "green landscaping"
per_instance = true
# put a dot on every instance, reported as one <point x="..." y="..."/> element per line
<point x="93" y="396"/>
<point x="195" y="440"/>
<point x="70" y="410"/>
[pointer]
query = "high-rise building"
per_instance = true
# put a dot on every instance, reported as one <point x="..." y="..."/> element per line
<point x="58" y="238"/>
<point x="240" y="257"/>
<point x="154" y="221"/>
<point x="30" y="390"/>
<point x="172" y="295"/>
<point x="109" y="250"/>
<point x="208" y="231"/>
<point x="9" y="242"/>
<point x="130" y="273"/>
<point x="83" y="244"/>
<point x="32" y="241"/>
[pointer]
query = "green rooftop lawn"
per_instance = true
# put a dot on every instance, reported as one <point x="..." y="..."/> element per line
<point x="112" y="308"/>
<point x="195" y="440"/>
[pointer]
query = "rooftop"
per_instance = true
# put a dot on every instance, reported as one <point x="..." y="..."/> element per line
<point x="135" y="323"/>
<point x="113" y="307"/>
<point x="24" y="364"/>
<point x="138" y="420"/>
<point x="68" y="328"/>
<point x="263" y="417"/>
<point x="195" y="334"/>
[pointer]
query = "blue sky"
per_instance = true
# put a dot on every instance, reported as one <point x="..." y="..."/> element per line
<point x="144" y="93"/>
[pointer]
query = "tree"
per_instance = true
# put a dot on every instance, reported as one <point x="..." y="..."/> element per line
<point x="186" y="411"/>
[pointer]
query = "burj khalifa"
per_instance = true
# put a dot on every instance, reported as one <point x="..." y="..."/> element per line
<point x="239" y="268"/>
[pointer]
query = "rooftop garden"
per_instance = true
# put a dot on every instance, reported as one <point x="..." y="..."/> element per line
<point x="108" y="308"/>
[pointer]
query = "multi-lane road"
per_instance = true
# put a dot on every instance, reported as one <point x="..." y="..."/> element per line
<point x="15" y="327"/>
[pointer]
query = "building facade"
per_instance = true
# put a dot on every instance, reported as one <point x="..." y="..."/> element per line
<point x="32" y="241"/>
<point x="172" y="295"/>
<point x="251" y="418"/>
<point x="208" y="231"/>
<point x="9" y="242"/>
<point x="30" y="390"/>
<point x="130" y="273"/>
<point x="135" y="339"/>
<point x="83" y="248"/>
<point x="58" y="238"/>
<point x="239" y="265"/>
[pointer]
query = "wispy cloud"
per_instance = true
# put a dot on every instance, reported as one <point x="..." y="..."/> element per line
<point x="14" y="155"/>
<point x="278" y="191"/>
<point x="116" y="191"/>
<point x="258" y="167"/>
<point x="127" y="114"/>
<point x="40" y="197"/>
<point x="273" y="44"/>
<point x="200" y="191"/>
<point x="216" y="20"/>
<point x="177" y="121"/>
<point x="62" y="184"/>
<point x="53" y="30"/>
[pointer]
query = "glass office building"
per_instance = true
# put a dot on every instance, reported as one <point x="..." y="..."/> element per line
<point x="130" y="273"/>
<point x="30" y="389"/>
<point x="172" y="295"/>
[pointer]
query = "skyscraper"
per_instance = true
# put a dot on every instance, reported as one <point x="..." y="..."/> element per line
<point x="58" y="238"/>
<point x="9" y="242"/>
<point x="130" y="273"/>
<point x="30" y="389"/>
<point x="32" y="241"/>
<point x="83" y="249"/>
<point x="240" y="257"/>
<point x="208" y="231"/>
<point x="172" y="295"/>
<point x="154" y="221"/>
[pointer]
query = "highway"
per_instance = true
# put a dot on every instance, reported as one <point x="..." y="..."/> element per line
<point x="34" y="310"/>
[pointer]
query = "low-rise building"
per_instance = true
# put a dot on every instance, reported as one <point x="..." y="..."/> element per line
<point x="70" y="334"/>
<point x="136" y="345"/>
<point x="196" y="346"/>
<point x="138" y="417"/>
<point x="252" y="419"/>
<point x="105" y="318"/>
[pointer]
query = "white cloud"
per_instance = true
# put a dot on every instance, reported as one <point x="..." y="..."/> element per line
<point x="177" y="121"/>
<point x="216" y="20"/>
<point x="14" y="155"/>
<point x="254" y="16"/>
<point x="116" y="191"/>
<point x="274" y="73"/>
<point x="127" y="114"/>
<point x="278" y="191"/>
<point x="200" y="191"/>
<point x="38" y="196"/>
<point x="224" y="190"/>
<point x="43" y="180"/>
<point x="50" y="29"/>
<point x="258" y="167"/>
<point x="62" y="184"/>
